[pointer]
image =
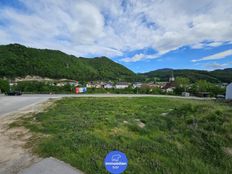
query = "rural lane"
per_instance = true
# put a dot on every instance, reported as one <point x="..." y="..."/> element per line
<point x="10" y="104"/>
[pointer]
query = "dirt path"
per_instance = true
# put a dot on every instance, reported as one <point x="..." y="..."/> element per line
<point x="13" y="155"/>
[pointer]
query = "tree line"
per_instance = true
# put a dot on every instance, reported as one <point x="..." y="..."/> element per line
<point x="181" y="85"/>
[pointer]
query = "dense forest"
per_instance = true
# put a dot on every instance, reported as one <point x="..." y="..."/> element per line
<point x="18" y="61"/>
<point x="216" y="76"/>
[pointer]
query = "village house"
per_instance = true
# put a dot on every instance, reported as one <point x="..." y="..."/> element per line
<point x="137" y="85"/>
<point x="95" y="84"/>
<point x="153" y="85"/>
<point x="223" y="85"/>
<point x="73" y="83"/>
<point x="108" y="85"/>
<point x="99" y="84"/>
<point x="13" y="84"/>
<point x="185" y="94"/>
<point x="60" y="84"/>
<point x="229" y="92"/>
<point x="122" y="85"/>
<point x="90" y="85"/>
<point x="169" y="87"/>
<point x="161" y="84"/>
<point x="65" y="82"/>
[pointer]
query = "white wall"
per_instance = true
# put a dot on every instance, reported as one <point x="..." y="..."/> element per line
<point x="121" y="86"/>
<point x="229" y="92"/>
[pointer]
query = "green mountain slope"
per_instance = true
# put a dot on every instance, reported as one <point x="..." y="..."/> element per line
<point x="194" y="75"/>
<point x="18" y="61"/>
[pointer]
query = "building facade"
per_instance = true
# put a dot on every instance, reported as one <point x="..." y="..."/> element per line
<point x="122" y="85"/>
<point x="229" y="92"/>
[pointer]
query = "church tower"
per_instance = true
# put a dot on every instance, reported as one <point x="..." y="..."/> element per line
<point x="172" y="78"/>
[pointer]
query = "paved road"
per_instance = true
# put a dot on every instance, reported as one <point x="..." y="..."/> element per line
<point x="14" y="103"/>
<point x="50" y="166"/>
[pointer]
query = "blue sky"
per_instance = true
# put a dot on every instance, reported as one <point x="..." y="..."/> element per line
<point x="143" y="35"/>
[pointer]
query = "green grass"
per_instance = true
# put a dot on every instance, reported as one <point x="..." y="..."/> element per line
<point x="192" y="137"/>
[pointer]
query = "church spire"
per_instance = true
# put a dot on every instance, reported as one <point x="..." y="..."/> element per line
<point x="172" y="78"/>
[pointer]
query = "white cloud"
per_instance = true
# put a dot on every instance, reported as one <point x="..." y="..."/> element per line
<point x="215" y="44"/>
<point x="212" y="66"/>
<point x="139" y="57"/>
<point x="208" y="45"/>
<point x="112" y="28"/>
<point x="217" y="56"/>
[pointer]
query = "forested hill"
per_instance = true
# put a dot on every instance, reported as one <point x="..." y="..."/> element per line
<point x="18" y="61"/>
<point x="194" y="75"/>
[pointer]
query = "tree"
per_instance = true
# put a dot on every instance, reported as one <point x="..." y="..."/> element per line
<point x="181" y="85"/>
<point x="182" y="82"/>
<point x="4" y="86"/>
<point x="203" y="86"/>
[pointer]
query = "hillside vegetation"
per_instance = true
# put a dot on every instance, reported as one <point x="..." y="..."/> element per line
<point x="215" y="76"/>
<point x="18" y="61"/>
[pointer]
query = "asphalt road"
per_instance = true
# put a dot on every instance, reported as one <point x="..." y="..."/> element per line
<point x="10" y="104"/>
<point x="50" y="166"/>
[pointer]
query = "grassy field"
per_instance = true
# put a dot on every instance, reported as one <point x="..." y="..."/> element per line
<point x="158" y="135"/>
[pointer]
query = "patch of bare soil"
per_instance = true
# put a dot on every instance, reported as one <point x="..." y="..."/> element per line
<point x="13" y="154"/>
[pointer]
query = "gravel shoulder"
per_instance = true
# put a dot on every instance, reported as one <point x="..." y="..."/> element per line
<point x="13" y="154"/>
